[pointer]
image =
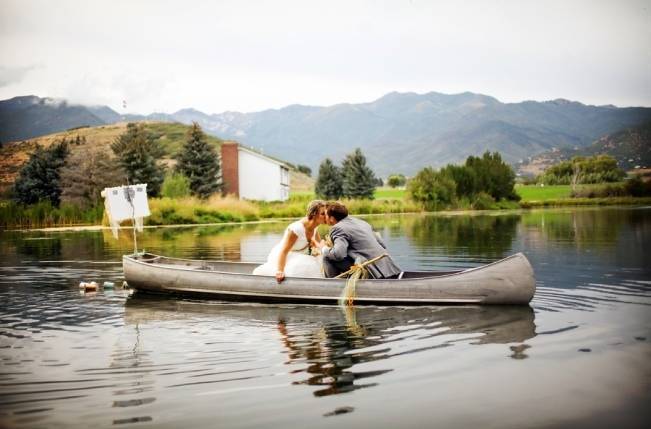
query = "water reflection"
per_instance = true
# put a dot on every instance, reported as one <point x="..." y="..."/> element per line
<point x="326" y="343"/>
<point x="489" y="236"/>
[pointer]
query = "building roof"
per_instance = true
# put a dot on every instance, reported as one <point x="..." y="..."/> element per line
<point x="258" y="153"/>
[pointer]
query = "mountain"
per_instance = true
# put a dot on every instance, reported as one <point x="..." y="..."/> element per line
<point x="399" y="132"/>
<point x="403" y="132"/>
<point x="631" y="147"/>
<point x="30" y="116"/>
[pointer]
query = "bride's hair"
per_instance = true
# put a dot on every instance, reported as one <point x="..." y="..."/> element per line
<point x="313" y="208"/>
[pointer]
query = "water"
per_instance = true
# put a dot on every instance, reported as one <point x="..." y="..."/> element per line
<point x="579" y="356"/>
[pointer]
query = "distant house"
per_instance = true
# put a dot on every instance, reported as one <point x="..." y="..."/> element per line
<point x="253" y="176"/>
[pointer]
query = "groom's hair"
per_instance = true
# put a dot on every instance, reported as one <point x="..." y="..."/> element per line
<point x="337" y="210"/>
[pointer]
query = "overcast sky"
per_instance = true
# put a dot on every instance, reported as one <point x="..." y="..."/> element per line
<point x="254" y="55"/>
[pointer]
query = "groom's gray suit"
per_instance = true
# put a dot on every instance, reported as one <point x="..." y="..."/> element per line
<point x="353" y="239"/>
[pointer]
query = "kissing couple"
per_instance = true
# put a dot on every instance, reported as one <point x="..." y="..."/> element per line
<point x="302" y="253"/>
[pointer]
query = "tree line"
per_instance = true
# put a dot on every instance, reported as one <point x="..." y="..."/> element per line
<point x="57" y="174"/>
<point x="583" y="170"/>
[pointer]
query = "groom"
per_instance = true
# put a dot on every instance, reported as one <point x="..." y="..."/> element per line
<point x="353" y="239"/>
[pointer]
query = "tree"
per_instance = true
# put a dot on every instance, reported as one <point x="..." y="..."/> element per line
<point x="88" y="171"/>
<point x="432" y="188"/>
<point x="138" y="154"/>
<point x="329" y="182"/>
<point x="493" y="176"/>
<point x="304" y="169"/>
<point x="396" y="180"/>
<point x="40" y="177"/>
<point x="465" y="179"/>
<point x="582" y="170"/>
<point x="358" y="179"/>
<point x="199" y="162"/>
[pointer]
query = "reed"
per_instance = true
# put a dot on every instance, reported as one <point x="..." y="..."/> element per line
<point x="44" y="214"/>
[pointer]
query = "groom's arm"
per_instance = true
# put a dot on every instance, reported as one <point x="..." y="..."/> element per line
<point x="339" y="249"/>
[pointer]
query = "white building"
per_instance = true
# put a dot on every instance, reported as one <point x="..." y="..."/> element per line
<point x="253" y="176"/>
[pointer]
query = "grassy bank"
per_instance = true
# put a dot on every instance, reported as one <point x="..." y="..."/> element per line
<point x="182" y="211"/>
<point x="166" y="211"/>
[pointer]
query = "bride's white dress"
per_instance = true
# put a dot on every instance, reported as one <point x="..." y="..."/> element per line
<point x="298" y="263"/>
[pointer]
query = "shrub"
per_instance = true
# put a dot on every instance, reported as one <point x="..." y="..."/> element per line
<point x="176" y="185"/>
<point x="483" y="201"/>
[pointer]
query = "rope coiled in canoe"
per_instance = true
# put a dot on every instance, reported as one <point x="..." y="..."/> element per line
<point x="356" y="272"/>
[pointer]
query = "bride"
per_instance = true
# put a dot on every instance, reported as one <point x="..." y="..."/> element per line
<point x="295" y="254"/>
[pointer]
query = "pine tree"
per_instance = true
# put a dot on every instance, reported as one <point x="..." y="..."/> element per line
<point x="329" y="182"/>
<point x="199" y="162"/>
<point x="88" y="171"/>
<point x="137" y="154"/>
<point x="40" y="177"/>
<point x="358" y="179"/>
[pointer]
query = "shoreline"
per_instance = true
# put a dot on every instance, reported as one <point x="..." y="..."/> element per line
<point x="646" y="202"/>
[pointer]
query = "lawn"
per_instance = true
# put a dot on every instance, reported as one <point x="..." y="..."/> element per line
<point x="383" y="193"/>
<point x="542" y="193"/>
<point x="389" y="193"/>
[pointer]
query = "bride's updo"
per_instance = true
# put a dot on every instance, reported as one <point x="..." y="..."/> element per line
<point x="313" y="208"/>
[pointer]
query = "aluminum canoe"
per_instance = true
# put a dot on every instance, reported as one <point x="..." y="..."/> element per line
<point x="507" y="281"/>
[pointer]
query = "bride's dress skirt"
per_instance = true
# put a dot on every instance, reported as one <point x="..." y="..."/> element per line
<point x="297" y="265"/>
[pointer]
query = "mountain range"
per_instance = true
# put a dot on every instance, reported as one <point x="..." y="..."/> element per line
<point x="399" y="132"/>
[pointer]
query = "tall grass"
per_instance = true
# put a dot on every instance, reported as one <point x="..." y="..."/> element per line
<point x="43" y="215"/>
<point x="190" y="210"/>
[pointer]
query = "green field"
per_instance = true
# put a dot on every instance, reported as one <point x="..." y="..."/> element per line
<point x="542" y="193"/>
<point x="383" y="193"/>
<point x="389" y="193"/>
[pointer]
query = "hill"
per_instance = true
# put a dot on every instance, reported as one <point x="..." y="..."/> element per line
<point x="399" y="132"/>
<point x="631" y="147"/>
<point x="171" y="137"/>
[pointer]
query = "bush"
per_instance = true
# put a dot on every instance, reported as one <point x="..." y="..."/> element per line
<point x="433" y="189"/>
<point x="483" y="201"/>
<point x="636" y="187"/>
<point x="176" y="185"/>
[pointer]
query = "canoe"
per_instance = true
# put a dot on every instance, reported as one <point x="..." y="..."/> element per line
<point x="507" y="281"/>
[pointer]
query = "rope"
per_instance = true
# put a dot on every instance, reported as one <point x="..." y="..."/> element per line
<point x="356" y="272"/>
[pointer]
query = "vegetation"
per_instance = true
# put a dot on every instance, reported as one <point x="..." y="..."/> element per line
<point x="199" y="162"/>
<point x="396" y="180"/>
<point x="358" y="180"/>
<point x="329" y="183"/>
<point x="138" y="153"/>
<point x="479" y="184"/>
<point x="582" y="170"/>
<point x="40" y="177"/>
<point x="87" y="172"/>
<point x="175" y="185"/>
<point x="304" y="169"/>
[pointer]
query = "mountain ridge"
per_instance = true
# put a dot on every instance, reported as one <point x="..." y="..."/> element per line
<point x="399" y="132"/>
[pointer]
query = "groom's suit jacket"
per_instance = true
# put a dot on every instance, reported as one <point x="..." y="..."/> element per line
<point x="355" y="239"/>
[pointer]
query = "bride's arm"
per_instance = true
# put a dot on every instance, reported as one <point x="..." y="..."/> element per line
<point x="289" y="241"/>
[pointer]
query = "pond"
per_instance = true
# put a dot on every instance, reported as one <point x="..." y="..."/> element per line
<point x="579" y="355"/>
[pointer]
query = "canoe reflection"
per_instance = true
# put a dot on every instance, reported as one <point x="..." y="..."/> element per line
<point x="326" y="342"/>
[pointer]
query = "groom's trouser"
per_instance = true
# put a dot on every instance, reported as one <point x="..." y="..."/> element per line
<point x="334" y="268"/>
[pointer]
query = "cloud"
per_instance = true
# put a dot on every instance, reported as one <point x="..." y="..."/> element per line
<point x="10" y="75"/>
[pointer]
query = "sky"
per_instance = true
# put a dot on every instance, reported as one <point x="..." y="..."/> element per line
<point x="144" y="56"/>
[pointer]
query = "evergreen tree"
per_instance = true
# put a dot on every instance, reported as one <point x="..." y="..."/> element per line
<point x="137" y="154"/>
<point x="329" y="182"/>
<point x="358" y="179"/>
<point x="40" y="177"/>
<point x="199" y="162"/>
<point x="88" y="171"/>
